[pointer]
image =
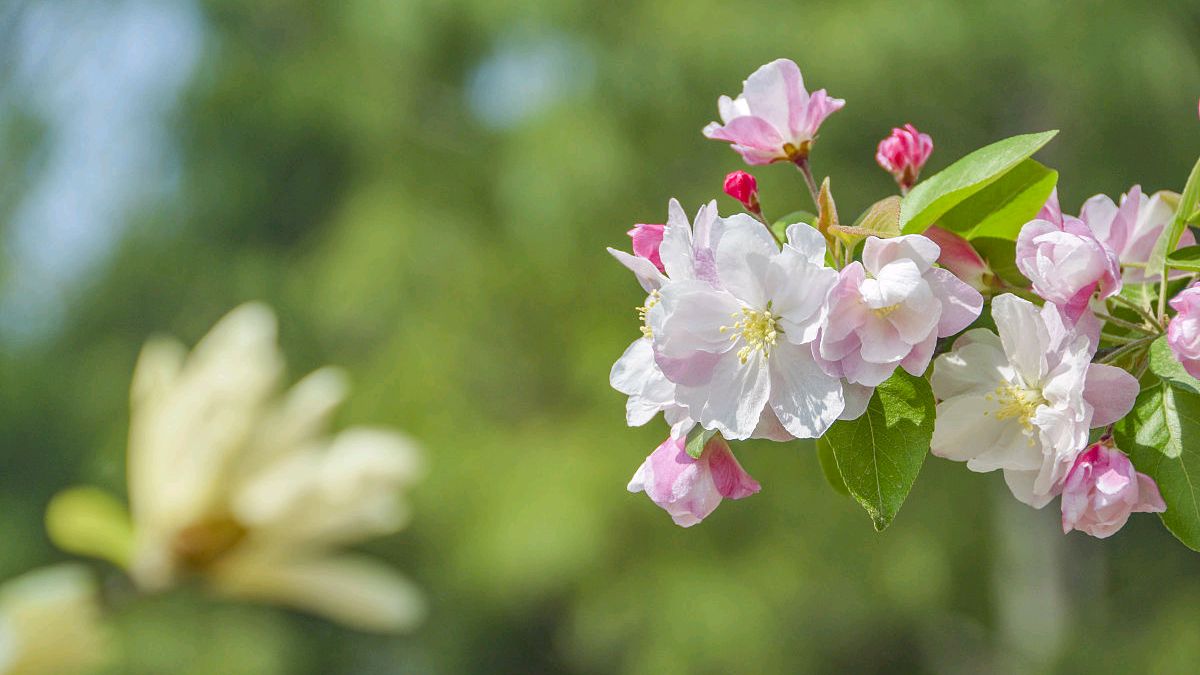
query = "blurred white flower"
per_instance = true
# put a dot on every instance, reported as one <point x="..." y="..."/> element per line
<point x="50" y="623"/>
<point x="235" y="481"/>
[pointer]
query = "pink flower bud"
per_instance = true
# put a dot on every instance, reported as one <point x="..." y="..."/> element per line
<point x="903" y="154"/>
<point x="744" y="188"/>
<point x="690" y="489"/>
<point x="646" y="240"/>
<point x="962" y="259"/>
<point x="1183" y="333"/>
<point x="1102" y="489"/>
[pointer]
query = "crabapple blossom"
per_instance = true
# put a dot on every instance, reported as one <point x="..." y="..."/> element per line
<point x="687" y="488"/>
<point x="636" y="374"/>
<point x="903" y="153"/>
<point x="962" y="259"/>
<point x="738" y="349"/>
<point x="646" y="240"/>
<point x="1183" y="333"/>
<point x="1023" y="401"/>
<point x="1102" y="489"/>
<point x="774" y="119"/>
<point x="1132" y="228"/>
<point x="1067" y="263"/>
<point x="889" y="310"/>
<point x="744" y="188"/>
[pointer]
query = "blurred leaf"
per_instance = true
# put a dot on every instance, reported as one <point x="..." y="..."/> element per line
<point x="779" y="227"/>
<point x="829" y="467"/>
<point x="1162" y="436"/>
<point x="1187" y="258"/>
<point x="879" y="454"/>
<point x="697" y="440"/>
<point x="90" y="522"/>
<point x="936" y="195"/>
<point x="1000" y="209"/>
<point x="827" y="215"/>
<point x="1169" y="239"/>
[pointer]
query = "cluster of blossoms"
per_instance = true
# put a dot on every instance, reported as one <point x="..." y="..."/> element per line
<point x="753" y="329"/>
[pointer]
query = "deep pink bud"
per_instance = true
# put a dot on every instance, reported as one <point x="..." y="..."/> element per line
<point x="1102" y="489"/>
<point x="903" y="154"/>
<point x="646" y="240"/>
<point x="744" y="188"/>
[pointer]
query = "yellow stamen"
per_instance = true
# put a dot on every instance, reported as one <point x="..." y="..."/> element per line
<point x="757" y="328"/>
<point x="645" y="309"/>
<point x="884" y="311"/>
<point x="1017" y="402"/>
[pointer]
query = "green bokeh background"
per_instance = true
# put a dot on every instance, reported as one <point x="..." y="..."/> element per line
<point x="353" y="164"/>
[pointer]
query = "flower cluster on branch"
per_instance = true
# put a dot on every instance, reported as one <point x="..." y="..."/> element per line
<point x="968" y="317"/>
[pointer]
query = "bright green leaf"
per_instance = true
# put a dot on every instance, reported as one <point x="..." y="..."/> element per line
<point x="1187" y="258"/>
<point x="936" y="195"/>
<point x="1162" y="436"/>
<point x="697" y="439"/>
<point x="90" y="522"/>
<point x="879" y="454"/>
<point x="1000" y="209"/>
<point x="829" y="467"/>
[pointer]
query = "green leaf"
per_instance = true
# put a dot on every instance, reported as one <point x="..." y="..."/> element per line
<point x="881" y="220"/>
<point x="1187" y="258"/>
<point x="1162" y="436"/>
<point x="779" y="227"/>
<point x="697" y="439"/>
<point x="879" y="454"/>
<point x="89" y="521"/>
<point x="1001" y="257"/>
<point x="936" y="195"/>
<point x="829" y="467"/>
<point x="1169" y="239"/>
<point x="1164" y="364"/>
<point x="1000" y="209"/>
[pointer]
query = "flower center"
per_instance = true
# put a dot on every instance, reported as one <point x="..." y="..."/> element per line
<point x="758" y="329"/>
<point x="884" y="311"/>
<point x="202" y="543"/>
<point x="644" y="310"/>
<point x="1017" y="402"/>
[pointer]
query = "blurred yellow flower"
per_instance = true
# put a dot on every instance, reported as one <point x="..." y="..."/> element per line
<point x="235" y="481"/>
<point x="50" y="623"/>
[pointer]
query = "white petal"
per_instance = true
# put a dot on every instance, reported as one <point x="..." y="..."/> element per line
<point x="797" y="289"/>
<point x="806" y="400"/>
<point x="893" y="284"/>
<point x="977" y="367"/>
<point x="1023" y="334"/>
<point x="733" y="399"/>
<point x="646" y="273"/>
<point x="688" y="318"/>
<point x="806" y="240"/>
<point x="743" y="257"/>
<point x="878" y="253"/>
<point x="964" y="427"/>
<point x="1021" y="483"/>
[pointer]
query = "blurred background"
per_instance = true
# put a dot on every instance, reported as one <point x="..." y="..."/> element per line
<point x="423" y="190"/>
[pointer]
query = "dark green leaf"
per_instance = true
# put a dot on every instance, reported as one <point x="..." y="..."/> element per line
<point x="936" y="195"/>
<point x="1187" y="258"/>
<point x="1162" y="436"/>
<point x="697" y="439"/>
<point x="1001" y="257"/>
<point x="829" y="467"/>
<point x="1000" y="209"/>
<point x="879" y="454"/>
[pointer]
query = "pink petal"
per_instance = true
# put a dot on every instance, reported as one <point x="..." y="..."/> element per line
<point x="1110" y="391"/>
